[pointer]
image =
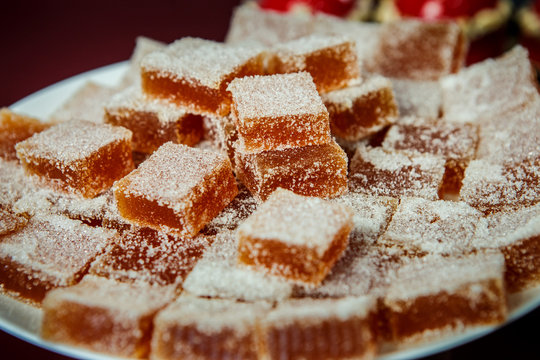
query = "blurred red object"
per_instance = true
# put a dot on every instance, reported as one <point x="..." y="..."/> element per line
<point x="334" y="7"/>
<point x="443" y="9"/>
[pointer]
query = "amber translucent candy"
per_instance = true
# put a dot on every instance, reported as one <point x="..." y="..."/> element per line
<point x="104" y="315"/>
<point x="522" y="264"/>
<point x="201" y="328"/>
<point x="49" y="252"/>
<point x="310" y="329"/>
<point x="178" y="189"/>
<point x="278" y="111"/>
<point x="190" y="89"/>
<point x="321" y="168"/>
<point x="332" y="64"/>
<point x="359" y="111"/>
<point x="148" y="255"/>
<point x="465" y="306"/>
<point x="101" y="156"/>
<point x="16" y="127"/>
<point x="418" y="50"/>
<point x="281" y="236"/>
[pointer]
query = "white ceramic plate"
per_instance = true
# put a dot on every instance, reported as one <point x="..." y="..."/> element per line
<point x="23" y="321"/>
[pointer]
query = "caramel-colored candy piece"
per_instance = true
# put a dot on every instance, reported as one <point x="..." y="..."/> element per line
<point x="295" y="237"/>
<point x="489" y="88"/>
<point x="195" y="73"/>
<point x="419" y="50"/>
<point x="50" y="251"/>
<point x="278" y="111"/>
<point x="217" y="275"/>
<point x="362" y="110"/>
<point x="418" y="98"/>
<point x="421" y="226"/>
<point x="494" y="187"/>
<point x="331" y="60"/>
<point x="104" y="315"/>
<point x="178" y="189"/>
<point x="86" y="103"/>
<point x="320" y="329"/>
<point x="454" y="141"/>
<point x="78" y="156"/>
<point x="199" y="328"/>
<point x="318" y="170"/>
<point x="419" y="306"/>
<point x="148" y="255"/>
<point x="16" y="127"/>
<point x="152" y="122"/>
<point x="376" y="171"/>
<point x="517" y="235"/>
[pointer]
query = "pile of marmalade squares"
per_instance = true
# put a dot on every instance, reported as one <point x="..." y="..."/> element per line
<point x="310" y="188"/>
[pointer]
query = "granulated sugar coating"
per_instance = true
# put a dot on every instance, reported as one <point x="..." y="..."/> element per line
<point x="376" y="171"/>
<point x="51" y="251"/>
<point x="278" y="111"/>
<point x="242" y="232"/>
<point x="78" y="156"/>
<point x="331" y="60"/>
<point x="294" y="236"/>
<point x="15" y="127"/>
<point x="178" y="189"/>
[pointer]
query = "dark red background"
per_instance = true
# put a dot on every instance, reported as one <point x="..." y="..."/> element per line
<point x="43" y="42"/>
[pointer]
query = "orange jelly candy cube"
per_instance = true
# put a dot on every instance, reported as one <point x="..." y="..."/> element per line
<point x="78" y="156"/>
<point x="420" y="50"/>
<point x="195" y="73"/>
<point x="320" y="329"/>
<point x="177" y="189"/>
<point x="376" y="171"/>
<point x="331" y="60"/>
<point x="295" y="237"/>
<point x="317" y="170"/>
<point x="278" y="111"/>
<point x="199" y="328"/>
<point x="151" y="256"/>
<point x="152" y="122"/>
<point x="104" y="315"/>
<point x="362" y="110"/>
<point x="419" y="305"/>
<point x="15" y="128"/>
<point x="50" y="251"/>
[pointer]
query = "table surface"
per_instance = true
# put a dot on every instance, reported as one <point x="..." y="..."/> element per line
<point x="45" y="42"/>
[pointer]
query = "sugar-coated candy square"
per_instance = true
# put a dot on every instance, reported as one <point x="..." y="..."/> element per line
<point x="517" y="235"/>
<point x="377" y="171"/>
<point x="78" y="156"/>
<point x="104" y="315"/>
<point x="153" y="122"/>
<point x="317" y="170"/>
<point x="419" y="306"/>
<point x="421" y="226"/>
<point x="195" y="73"/>
<point x="86" y="103"/>
<point x="177" y="189"/>
<point x="419" y="50"/>
<point x="143" y="47"/>
<point x="455" y="142"/>
<point x="218" y="275"/>
<point x="330" y="59"/>
<point x="15" y="127"/>
<point x="295" y="237"/>
<point x="280" y="111"/>
<point x="493" y="187"/>
<point x="201" y="328"/>
<point x="361" y="110"/>
<point x="149" y="255"/>
<point x="50" y="251"/>
<point x="320" y="329"/>
<point x="489" y="88"/>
